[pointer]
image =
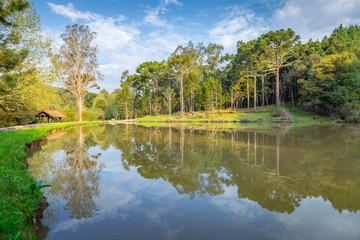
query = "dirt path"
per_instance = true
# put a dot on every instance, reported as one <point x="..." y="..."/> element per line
<point x="7" y="129"/>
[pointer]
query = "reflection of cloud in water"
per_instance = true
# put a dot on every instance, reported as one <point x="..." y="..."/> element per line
<point x="239" y="209"/>
<point x="314" y="219"/>
<point x="122" y="191"/>
<point x="157" y="218"/>
<point x="109" y="204"/>
<point x="158" y="190"/>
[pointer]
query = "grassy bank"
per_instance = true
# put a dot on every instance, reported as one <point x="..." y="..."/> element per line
<point x="262" y="115"/>
<point x="20" y="195"/>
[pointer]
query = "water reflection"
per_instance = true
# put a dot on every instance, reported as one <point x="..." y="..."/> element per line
<point x="278" y="169"/>
<point x="73" y="174"/>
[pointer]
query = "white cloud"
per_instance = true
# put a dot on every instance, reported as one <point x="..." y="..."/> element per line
<point x="316" y="18"/>
<point x="122" y="46"/>
<point x="153" y="14"/>
<point x="70" y="12"/>
<point x="152" y="17"/>
<point x="239" y="24"/>
<point x="175" y="2"/>
<point x="308" y="18"/>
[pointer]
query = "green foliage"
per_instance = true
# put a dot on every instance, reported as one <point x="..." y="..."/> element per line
<point x="333" y="86"/>
<point x="125" y="99"/>
<point x="24" y="81"/>
<point x="37" y="186"/>
<point x="89" y="97"/>
<point x="191" y="90"/>
<point x="211" y="93"/>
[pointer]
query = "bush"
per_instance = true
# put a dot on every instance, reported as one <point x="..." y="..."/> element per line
<point x="285" y="115"/>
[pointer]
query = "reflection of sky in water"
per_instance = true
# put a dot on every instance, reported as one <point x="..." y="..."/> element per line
<point x="137" y="208"/>
<point x="132" y="207"/>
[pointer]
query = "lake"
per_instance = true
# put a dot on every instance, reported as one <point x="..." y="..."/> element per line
<point x="184" y="182"/>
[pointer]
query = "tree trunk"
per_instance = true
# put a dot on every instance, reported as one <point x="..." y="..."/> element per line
<point x="170" y="107"/>
<point x="255" y="98"/>
<point x="80" y="109"/>
<point x="157" y="85"/>
<point x="277" y="152"/>
<point x="277" y="85"/>
<point x="192" y="102"/>
<point x="150" y="105"/>
<point x="181" y="98"/>
<point x="248" y="88"/>
<point x="212" y="105"/>
<point x="262" y="90"/>
<point x="126" y="110"/>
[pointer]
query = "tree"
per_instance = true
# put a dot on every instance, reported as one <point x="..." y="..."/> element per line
<point x="99" y="106"/>
<point x="191" y="87"/>
<point x="180" y="65"/>
<point x="242" y="59"/>
<point x="213" y="56"/>
<point x="78" y="62"/>
<point x="281" y="47"/>
<point x="169" y="94"/>
<point x="126" y="97"/>
<point x="258" y="62"/>
<point x="212" y="93"/>
<point x="24" y="74"/>
<point x="333" y="86"/>
<point x="9" y="7"/>
<point x="150" y="74"/>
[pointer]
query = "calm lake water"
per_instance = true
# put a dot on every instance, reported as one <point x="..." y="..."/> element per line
<point x="135" y="182"/>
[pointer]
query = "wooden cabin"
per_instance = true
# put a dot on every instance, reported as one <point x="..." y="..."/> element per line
<point x="50" y="114"/>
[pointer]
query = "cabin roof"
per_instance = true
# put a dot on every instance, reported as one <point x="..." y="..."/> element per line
<point x="52" y="113"/>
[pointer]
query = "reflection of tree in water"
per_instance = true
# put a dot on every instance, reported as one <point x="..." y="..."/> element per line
<point x="276" y="168"/>
<point x="76" y="177"/>
<point x="80" y="180"/>
<point x="278" y="176"/>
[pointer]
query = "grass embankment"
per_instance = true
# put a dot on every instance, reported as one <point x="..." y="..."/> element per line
<point x="262" y="115"/>
<point x="20" y="195"/>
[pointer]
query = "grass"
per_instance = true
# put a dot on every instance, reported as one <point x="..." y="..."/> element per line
<point x="263" y="114"/>
<point x="20" y="195"/>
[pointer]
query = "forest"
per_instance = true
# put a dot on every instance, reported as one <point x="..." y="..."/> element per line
<point x="275" y="69"/>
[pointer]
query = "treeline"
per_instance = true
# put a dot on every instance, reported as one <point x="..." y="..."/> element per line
<point x="323" y="76"/>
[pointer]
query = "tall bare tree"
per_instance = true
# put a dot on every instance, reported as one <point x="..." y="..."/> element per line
<point x="78" y="62"/>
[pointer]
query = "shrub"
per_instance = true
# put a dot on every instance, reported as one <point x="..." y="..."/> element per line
<point x="285" y="115"/>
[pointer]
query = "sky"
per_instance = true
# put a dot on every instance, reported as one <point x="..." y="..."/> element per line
<point x="130" y="32"/>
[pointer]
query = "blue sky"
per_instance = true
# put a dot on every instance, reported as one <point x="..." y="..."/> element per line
<point x="131" y="32"/>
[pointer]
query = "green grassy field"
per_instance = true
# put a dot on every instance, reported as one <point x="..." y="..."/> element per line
<point x="263" y="114"/>
<point x="20" y="195"/>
